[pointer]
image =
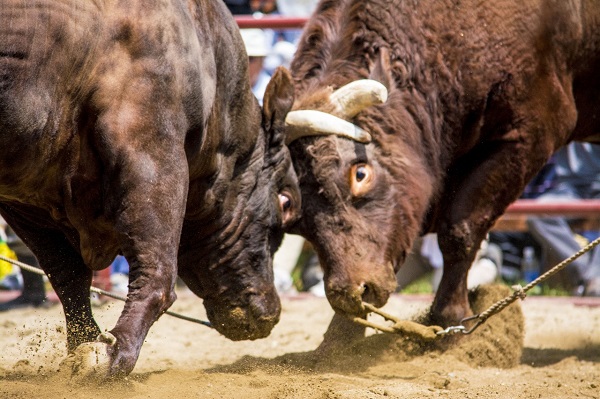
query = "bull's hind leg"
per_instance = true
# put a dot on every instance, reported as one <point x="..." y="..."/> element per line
<point x="482" y="191"/>
<point x="71" y="280"/>
<point x="69" y="277"/>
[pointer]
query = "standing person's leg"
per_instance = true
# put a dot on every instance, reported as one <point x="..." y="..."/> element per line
<point x="34" y="291"/>
<point x="591" y="275"/>
<point x="558" y="243"/>
<point x="424" y="258"/>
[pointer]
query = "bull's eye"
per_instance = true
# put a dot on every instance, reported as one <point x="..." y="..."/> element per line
<point x="286" y="205"/>
<point x="285" y="202"/>
<point x="361" y="179"/>
<point x="361" y="173"/>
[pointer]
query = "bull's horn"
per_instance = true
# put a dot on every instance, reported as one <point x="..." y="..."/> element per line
<point x="358" y="95"/>
<point x="308" y="122"/>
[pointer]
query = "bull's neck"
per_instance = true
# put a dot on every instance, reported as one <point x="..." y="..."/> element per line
<point x="349" y="49"/>
<point x="218" y="194"/>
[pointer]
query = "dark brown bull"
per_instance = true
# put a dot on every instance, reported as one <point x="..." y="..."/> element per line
<point x="479" y="95"/>
<point x="130" y="127"/>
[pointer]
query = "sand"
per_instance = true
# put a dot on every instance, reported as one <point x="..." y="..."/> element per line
<point x="540" y="348"/>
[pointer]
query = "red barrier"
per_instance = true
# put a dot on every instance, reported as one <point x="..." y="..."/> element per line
<point x="101" y="279"/>
<point x="269" y="22"/>
<point x="571" y="208"/>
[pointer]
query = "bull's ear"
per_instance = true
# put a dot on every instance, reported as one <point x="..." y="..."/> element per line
<point x="381" y="69"/>
<point x="277" y="102"/>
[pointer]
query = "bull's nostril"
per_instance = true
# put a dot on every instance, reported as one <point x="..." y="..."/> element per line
<point x="371" y="293"/>
<point x="366" y="291"/>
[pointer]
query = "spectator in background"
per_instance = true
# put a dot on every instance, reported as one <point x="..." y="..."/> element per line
<point x="239" y="7"/>
<point x="514" y="243"/>
<point x="426" y="257"/>
<point x="264" y="6"/>
<point x="257" y="47"/>
<point x="34" y="291"/>
<point x="281" y="54"/>
<point x="248" y="7"/>
<point x="8" y="280"/>
<point x="295" y="8"/>
<point x="577" y="176"/>
<point x="119" y="275"/>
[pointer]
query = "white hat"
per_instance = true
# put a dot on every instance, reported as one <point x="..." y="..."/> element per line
<point x="255" y="41"/>
<point x="281" y="54"/>
<point x="297" y="8"/>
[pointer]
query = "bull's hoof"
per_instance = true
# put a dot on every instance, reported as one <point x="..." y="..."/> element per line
<point x="90" y="362"/>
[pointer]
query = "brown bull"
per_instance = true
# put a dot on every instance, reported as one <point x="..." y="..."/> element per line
<point x="130" y="127"/>
<point x="476" y="96"/>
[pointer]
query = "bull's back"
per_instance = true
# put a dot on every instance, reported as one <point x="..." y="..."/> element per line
<point x="42" y="48"/>
<point x="64" y="63"/>
<point x="44" y="44"/>
<point x="42" y="51"/>
<point x="89" y="86"/>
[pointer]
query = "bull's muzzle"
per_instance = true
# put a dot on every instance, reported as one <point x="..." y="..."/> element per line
<point x="253" y="320"/>
<point x="347" y="292"/>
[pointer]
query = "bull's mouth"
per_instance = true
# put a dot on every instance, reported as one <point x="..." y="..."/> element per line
<point x="253" y="321"/>
<point x="347" y="296"/>
<point x="350" y="303"/>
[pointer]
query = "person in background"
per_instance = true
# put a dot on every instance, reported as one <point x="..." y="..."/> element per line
<point x="257" y="47"/>
<point x="8" y="279"/>
<point x="257" y="43"/>
<point x="577" y="176"/>
<point x="249" y="7"/>
<point x="119" y="275"/>
<point x="515" y="243"/>
<point x="281" y="54"/>
<point x="239" y="7"/>
<point x="34" y="290"/>
<point x="263" y="6"/>
<point x="426" y="257"/>
<point x="295" y="8"/>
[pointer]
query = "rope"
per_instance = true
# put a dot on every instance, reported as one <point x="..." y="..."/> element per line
<point x="36" y="270"/>
<point x="404" y="327"/>
<point x="426" y="332"/>
<point x="521" y="292"/>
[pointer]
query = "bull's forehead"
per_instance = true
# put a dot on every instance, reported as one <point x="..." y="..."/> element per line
<point x="323" y="165"/>
<point x="327" y="156"/>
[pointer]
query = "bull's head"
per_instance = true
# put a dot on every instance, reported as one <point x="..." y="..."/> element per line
<point x="236" y="274"/>
<point x="357" y="210"/>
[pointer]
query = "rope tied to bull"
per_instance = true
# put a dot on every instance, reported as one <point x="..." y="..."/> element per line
<point x="102" y="292"/>
<point x="430" y="333"/>
<point x="405" y="327"/>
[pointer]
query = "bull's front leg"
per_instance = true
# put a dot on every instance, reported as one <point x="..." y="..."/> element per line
<point x="114" y="353"/>
<point x="482" y="192"/>
<point x="150" y="228"/>
<point x="151" y="293"/>
<point x="145" y="201"/>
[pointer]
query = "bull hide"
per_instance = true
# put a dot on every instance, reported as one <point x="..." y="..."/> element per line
<point x="130" y="127"/>
<point x="480" y="94"/>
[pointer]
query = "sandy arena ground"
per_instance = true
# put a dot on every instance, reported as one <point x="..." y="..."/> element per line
<point x="560" y="357"/>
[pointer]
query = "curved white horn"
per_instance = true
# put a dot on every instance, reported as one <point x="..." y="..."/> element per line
<point x="303" y="123"/>
<point x="358" y="95"/>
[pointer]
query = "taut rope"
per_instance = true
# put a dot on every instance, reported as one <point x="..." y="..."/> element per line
<point x="428" y="333"/>
<point x="101" y="291"/>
